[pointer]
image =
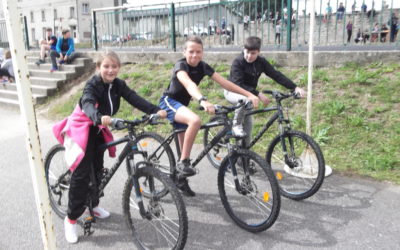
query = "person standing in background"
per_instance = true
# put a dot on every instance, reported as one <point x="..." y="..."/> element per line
<point x="349" y="28"/>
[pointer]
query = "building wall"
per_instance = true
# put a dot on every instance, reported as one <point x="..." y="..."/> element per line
<point x="58" y="15"/>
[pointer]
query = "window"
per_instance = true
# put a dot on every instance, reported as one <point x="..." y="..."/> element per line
<point x="43" y="16"/>
<point x="32" y="17"/>
<point x="73" y="31"/>
<point x="44" y="35"/>
<point x="55" y="14"/>
<point x="33" y="34"/>
<point x="85" y="8"/>
<point x="71" y="12"/>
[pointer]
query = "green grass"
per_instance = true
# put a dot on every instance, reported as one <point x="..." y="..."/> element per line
<point x="356" y="118"/>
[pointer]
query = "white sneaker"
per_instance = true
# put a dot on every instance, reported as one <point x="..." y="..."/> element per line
<point x="238" y="131"/>
<point x="70" y="231"/>
<point x="99" y="212"/>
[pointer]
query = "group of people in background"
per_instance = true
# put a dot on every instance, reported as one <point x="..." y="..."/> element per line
<point x="378" y="33"/>
<point x="62" y="48"/>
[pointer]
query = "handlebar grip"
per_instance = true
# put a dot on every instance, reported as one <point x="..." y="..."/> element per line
<point x="268" y="92"/>
<point x="153" y="119"/>
<point x="117" y="124"/>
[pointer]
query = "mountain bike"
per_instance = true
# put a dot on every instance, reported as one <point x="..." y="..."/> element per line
<point x="295" y="158"/>
<point x="155" y="221"/>
<point x="247" y="186"/>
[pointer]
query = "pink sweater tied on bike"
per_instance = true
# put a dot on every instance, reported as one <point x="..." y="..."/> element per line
<point x="73" y="133"/>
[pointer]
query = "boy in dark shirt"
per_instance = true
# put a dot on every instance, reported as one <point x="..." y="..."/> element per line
<point x="47" y="45"/>
<point x="187" y="74"/>
<point x="245" y="71"/>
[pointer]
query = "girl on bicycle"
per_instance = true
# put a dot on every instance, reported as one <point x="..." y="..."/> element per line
<point x="86" y="129"/>
<point x="186" y="76"/>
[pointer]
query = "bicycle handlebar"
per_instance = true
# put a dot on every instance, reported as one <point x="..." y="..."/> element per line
<point x="221" y="109"/>
<point x="119" y="124"/>
<point x="279" y="95"/>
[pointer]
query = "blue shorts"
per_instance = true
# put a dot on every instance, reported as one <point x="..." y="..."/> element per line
<point x="171" y="106"/>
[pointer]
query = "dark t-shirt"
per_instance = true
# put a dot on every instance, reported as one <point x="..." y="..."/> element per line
<point x="246" y="74"/>
<point x="54" y="44"/>
<point x="176" y="90"/>
<point x="64" y="45"/>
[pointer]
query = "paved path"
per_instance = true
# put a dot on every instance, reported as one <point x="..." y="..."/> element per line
<point x="347" y="213"/>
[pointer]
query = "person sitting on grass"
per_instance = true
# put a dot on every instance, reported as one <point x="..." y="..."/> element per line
<point x="64" y="50"/>
<point x="48" y="44"/>
<point x="186" y="76"/>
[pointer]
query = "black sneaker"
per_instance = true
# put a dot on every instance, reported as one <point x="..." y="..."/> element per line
<point x="183" y="186"/>
<point x="38" y="62"/>
<point x="184" y="169"/>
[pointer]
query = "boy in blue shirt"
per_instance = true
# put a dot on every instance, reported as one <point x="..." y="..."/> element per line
<point x="64" y="50"/>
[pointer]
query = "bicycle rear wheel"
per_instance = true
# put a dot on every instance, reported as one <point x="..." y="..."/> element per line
<point x="301" y="173"/>
<point x="147" y="149"/>
<point x="251" y="198"/>
<point x="163" y="223"/>
<point x="58" y="178"/>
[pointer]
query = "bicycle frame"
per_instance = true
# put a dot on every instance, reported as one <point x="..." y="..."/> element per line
<point x="278" y="115"/>
<point x="223" y="132"/>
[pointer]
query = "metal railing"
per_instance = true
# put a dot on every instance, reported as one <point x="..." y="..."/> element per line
<point x="282" y="24"/>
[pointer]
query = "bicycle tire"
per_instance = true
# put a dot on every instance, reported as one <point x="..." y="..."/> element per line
<point x="219" y="151"/>
<point x="174" y="202"/>
<point x="55" y="167"/>
<point x="253" y="200"/>
<point x="290" y="179"/>
<point x="165" y="161"/>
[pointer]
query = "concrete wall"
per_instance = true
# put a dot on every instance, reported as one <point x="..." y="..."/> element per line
<point x="290" y="59"/>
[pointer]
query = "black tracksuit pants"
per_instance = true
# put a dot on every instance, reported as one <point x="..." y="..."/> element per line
<point x="79" y="187"/>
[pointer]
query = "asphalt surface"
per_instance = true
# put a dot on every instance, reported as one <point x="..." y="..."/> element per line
<point x="347" y="213"/>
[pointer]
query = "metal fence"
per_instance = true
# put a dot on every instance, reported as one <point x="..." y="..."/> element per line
<point x="280" y="23"/>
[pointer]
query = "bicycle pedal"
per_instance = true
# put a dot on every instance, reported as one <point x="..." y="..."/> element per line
<point x="87" y="226"/>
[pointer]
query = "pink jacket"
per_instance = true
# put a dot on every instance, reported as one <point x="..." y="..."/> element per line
<point x="73" y="133"/>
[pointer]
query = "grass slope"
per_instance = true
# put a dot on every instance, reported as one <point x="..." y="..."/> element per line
<point x="356" y="118"/>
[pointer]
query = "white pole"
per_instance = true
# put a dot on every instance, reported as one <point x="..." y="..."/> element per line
<point x="310" y="67"/>
<point x="18" y="54"/>
<point x="328" y="169"/>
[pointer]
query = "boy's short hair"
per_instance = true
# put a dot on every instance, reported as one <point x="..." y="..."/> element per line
<point x="194" y="39"/>
<point x="64" y="31"/>
<point x="49" y="29"/>
<point x="252" y="43"/>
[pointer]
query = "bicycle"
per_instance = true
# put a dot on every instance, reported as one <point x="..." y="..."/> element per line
<point x="294" y="156"/>
<point x="154" y="220"/>
<point x="247" y="187"/>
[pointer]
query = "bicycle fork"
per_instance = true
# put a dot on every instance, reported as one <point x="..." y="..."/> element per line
<point x="232" y="163"/>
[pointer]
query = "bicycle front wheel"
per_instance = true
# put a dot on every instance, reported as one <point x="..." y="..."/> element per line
<point x="157" y="222"/>
<point x="148" y="149"/>
<point x="249" y="190"/>
<point x="220" y="150"/>
<point x="58" y="178"/>
<point x="298" y="164"/>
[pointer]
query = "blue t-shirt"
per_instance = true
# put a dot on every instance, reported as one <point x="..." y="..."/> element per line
<point x="54" y="44"/>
